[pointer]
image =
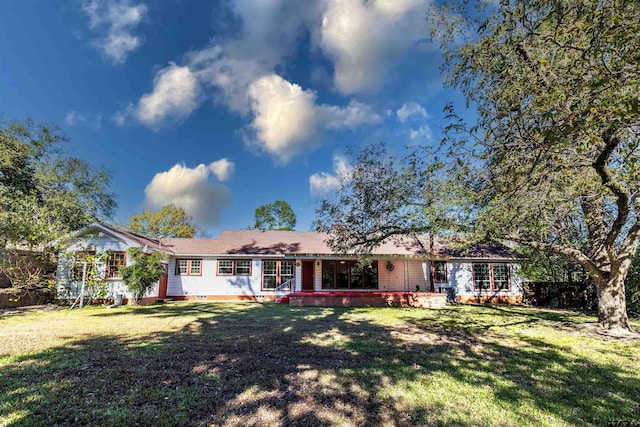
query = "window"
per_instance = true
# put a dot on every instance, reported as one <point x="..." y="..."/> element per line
<point x="487" y="277"/>
<point x="80" y="257"/>
<point x="349" y="275"/>
<point x="229" y="267"/>
<point x="440" y="271"/>
<point x="115" y="260"/>
<point x="243" y="267"/>
<point x="276" y="273"/>
<point x="482" y="277"/>
<point x="225" y="267"/>
<point x="188" y="267"/>
<point x="500" y="277"/>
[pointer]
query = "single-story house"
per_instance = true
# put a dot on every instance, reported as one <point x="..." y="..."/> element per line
<point x="295" y="266"/>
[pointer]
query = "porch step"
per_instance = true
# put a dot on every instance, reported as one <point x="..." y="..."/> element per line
<point x="283" y="300"/>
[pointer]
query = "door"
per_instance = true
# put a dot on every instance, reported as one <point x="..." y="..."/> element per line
<point x="162" y="287"/>
<point x="307" y="276"/>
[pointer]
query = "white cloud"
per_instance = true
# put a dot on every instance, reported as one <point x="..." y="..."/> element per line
<point x="363" y="38"/>
<point x="350" y="117"/>
<point x="287" y="119"/>
<point x="222" y="169"/>
<point x="120" y="117"/>
<point x="190" y="189"/>
<point x="176" y="93"/>
<point x="410" y="109"/>
<point x="117" y="20"/>
<point x="284" y="119"/>
<point x="423" y="132"/>
<point x="321" y="184"/>
<point x="76" y="118"/>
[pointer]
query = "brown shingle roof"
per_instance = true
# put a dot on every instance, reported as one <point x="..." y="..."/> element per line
<point x="258" y="242"/>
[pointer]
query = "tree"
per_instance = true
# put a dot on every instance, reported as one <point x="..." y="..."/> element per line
<point x="143" y="273"/>
<point x="44" y="192"/>
<point x="275" y="216"/>
<point x="553" y="161"/>
<point x="170" y="221"/>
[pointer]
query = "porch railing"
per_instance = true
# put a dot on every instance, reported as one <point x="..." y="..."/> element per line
<point x="284" y="289"/>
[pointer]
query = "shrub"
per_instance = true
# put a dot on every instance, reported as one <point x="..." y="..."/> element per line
<point x="141" y="276"/>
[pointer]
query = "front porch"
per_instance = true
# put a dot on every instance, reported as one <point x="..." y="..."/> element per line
<point x="367" y="299"/>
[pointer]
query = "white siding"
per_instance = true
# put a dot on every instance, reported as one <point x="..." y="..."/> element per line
<point x="209" y="283"/>
<point x="71" y="289"/>
<point x="418" y="275"/>
<point x="461" y="279"/>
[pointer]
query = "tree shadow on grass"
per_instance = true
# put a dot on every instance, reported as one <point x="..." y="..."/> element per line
<point x="266" y="364"/>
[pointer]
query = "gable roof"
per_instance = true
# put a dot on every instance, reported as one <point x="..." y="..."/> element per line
<point x="269" y="242"/>
<point x="131" y="239"/>
<point x="296" y="243"/>
<point x="302" y="243"/>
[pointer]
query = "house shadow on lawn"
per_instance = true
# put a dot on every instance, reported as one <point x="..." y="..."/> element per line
<point x="267" y="364"/>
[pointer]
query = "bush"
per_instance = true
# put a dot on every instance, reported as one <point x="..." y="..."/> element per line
<point x="141" y="276"/>
<point x="632" y="287"/>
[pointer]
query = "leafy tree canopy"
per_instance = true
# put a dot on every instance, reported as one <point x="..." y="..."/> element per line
<point x="170" y="221"/>
<point x="275" y="216"/>
<point x="45" y="192"/>
<point x="553" y="161"/>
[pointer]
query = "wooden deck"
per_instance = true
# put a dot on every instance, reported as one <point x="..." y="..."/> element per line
<point x="367" y="299"/>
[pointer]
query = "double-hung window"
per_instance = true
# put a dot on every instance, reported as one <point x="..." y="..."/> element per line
<point x="230" y="267"/>
<point x="188" y="267"/>
<point x="277" y="273"/>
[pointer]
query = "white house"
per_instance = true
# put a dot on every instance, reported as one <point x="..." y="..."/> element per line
<point x="255" y="265"/>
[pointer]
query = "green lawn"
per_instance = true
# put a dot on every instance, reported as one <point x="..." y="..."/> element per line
<point x="268" y="364"/>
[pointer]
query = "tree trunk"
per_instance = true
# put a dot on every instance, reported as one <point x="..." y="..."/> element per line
<point x="612" y="307"/>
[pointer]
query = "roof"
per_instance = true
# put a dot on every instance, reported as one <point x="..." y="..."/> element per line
<point x="132" y="238"/>
<point x="269" y="242"/>
<point x="292" y="243"/>
<point x="141" y="240"/>
<point x="300" y="243"/>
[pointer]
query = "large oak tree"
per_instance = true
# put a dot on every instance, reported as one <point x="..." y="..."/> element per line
<point x="553" y="161"/>
<point x="44" y="191"/>
<point x="275" y="216"/>
<point x="169" y="221"/>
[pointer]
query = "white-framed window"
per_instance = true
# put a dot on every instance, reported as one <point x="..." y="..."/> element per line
<point x="225" y="267"/>
<point x="500" y="277"/>
<point x="243" y="267"/>
<point x="188" y="267"/>
<point x="491" y="277"/>
<point x="231" y="267"/>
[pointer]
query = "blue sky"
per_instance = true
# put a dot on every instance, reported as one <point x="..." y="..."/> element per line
<point x="222" y="106"/>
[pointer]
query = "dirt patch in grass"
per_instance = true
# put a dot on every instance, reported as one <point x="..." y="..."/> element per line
<point x="266" y="364"/>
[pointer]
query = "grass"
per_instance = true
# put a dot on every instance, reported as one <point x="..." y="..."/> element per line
<point x="268" y="364"/>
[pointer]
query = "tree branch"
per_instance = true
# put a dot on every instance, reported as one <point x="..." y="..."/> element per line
<point x="577" y="255"/>
<point x="622" y="198"/>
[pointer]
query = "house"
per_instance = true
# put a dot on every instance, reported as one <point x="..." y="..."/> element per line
<point x="256" y="265"/>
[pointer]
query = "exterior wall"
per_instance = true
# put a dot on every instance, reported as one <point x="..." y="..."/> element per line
<point x="418" y="275"/>
<point x="209" y="283"/>
<point x="70" y="289"/>
<point x="460" y="275"/>
<point x="394" y="280"/>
